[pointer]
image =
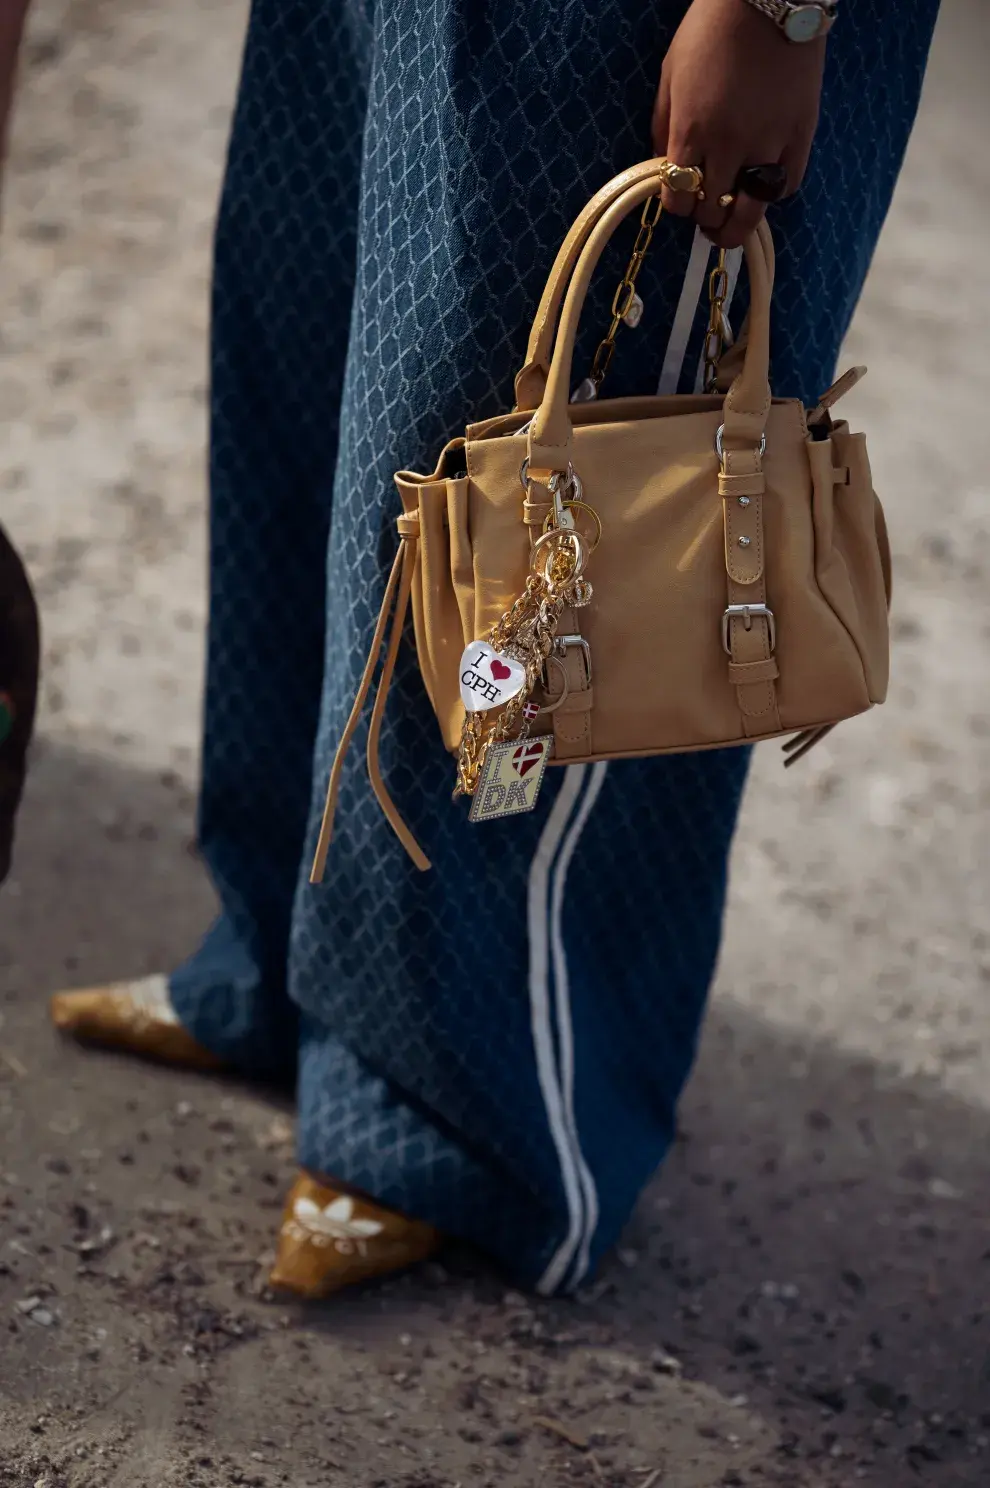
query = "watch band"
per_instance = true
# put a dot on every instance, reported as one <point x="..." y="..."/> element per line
<point x="772" y="8"/>
<point x="779" y="10"/>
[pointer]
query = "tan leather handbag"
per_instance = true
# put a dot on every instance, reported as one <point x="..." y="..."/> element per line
<point x="735" y="548"/>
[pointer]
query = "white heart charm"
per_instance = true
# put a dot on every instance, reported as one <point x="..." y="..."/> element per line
<point x="489" y="679"/>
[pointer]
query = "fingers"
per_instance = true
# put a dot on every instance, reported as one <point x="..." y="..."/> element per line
<point x="676" y="140"/>
<point x="660" y="124"/>
<point x="726" y="226"/>
<point x="681" y="151"/>
<point x="680" y="203"/>
<point x="720" y="174"/>
<point x="743" y="218"/>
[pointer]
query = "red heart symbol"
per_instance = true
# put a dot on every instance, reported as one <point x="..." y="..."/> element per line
<point x="500" y="671"/>
<point x="526" y="757"/>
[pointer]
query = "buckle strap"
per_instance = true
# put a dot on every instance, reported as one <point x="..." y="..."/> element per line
<point x="742" y="485"/>
<point x="572" y="718"/>
<point x="746" y="612"/>
<point x="748" y="625"/>
<point x="535" y="513"/>
<point x="743" y="672"/>
<point x="397" y="592"/>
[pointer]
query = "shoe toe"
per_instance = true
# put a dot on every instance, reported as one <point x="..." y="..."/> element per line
<point x="331" y="1239"/>
<point x="134" y="1016"/>
<point x="73" y="1012"/>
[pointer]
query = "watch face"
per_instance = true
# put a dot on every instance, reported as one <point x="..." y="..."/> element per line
<point x="804" y="23"/>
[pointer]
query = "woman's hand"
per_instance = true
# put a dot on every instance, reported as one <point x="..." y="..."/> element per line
<point x="735" y="92"/>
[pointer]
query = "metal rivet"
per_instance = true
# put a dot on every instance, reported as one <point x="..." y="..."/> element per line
<point x="743" y="500"/>
<point x="744" y="542"/>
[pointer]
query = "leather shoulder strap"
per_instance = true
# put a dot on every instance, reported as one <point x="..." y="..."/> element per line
<point x="531" y="382"/>
<point x="748" y="400"/>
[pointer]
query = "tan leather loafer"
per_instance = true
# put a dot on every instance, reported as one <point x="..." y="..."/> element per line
<point x="136" y="1016"/>
<point x="330" y="1240"/>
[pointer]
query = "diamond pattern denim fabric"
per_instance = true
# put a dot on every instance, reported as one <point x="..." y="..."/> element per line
<point x="498" y="1046"/>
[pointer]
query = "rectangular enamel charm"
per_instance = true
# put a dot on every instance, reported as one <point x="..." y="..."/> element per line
<point x="510" y="778"/>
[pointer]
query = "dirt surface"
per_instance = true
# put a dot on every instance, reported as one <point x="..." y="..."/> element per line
<point x="801" y="1298"/>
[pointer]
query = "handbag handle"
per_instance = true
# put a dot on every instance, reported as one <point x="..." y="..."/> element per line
<point x="748" y="400"/>
<point x="531" y="381"/>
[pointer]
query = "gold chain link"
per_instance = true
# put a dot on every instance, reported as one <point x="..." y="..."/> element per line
<point x="529" y="629"/>
<point x="718" y="330"/>
<point x="476" y="740"/>
<point x="718" y="289"/>
<point x="625" y="293"/>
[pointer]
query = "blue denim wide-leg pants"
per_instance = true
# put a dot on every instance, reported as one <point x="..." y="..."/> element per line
<point x="496" y="1046"/>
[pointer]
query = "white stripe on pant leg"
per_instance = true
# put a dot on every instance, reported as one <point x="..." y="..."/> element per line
<point x="687" y="309"/>
<point x="577" y="1177"/>
<point x="539" y="1007"/>
<point x="565" y="1029"/>
<point x="575" y="1174"/>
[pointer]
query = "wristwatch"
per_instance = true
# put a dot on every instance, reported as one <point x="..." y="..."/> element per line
<point x="798" y="20"/>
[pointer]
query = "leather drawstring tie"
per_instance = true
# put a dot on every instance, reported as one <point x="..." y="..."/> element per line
<point x="397" y="592"/>
<point x="800" y="745"/>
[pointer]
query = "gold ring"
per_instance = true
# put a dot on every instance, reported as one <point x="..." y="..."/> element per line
<point x="574" y="539"/>
<point x="727" y="199"/>
<point x="688" y="178"/>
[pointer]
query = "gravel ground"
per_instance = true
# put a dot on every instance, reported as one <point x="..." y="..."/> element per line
<point x="801" y="1298"/>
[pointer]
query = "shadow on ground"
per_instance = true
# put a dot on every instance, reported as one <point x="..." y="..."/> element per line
<point x="817" y="1248"/>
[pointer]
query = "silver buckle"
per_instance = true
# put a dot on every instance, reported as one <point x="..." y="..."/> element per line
<point x="720" y="451"/>
<point x="746" y="612"/>
<point x="561" y="644"/>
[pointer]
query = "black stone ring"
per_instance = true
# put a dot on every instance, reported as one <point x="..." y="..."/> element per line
<point x="765" y="183"/>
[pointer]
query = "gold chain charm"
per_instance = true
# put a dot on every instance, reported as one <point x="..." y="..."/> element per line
<point x="717" y="335"/>
<point x="522" y="641"/>
<point x="626" y="304"/>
